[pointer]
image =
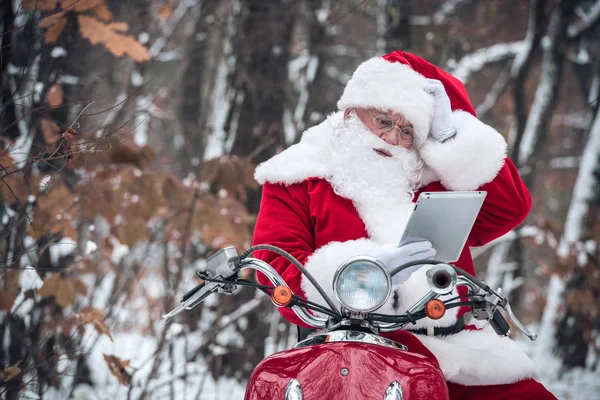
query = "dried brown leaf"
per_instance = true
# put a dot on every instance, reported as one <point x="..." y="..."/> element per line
<point x="50" y="286"/>
<point x="51" y="19"/>
<point x="102" y="329"/>
<point x="14" y="189"/>
<point x="66" y="292"/>
<point x="54" y="31"/>
<point x="89" y="314"/>
<point x="80" y="287"/>
<point x="82" y="5"/>
<point x="44" y="5"/>
<point x="55" y="95"/>
<point x="7" y="299"/>
<point x="12" y="371"/>
<point x="118" y="26"/>
<point x="117" y="368"/>
<point x="103" y="12"/>
<point x="118" y="44"/>
<point x="12" y="281"/>
<point x="50" y="131"/>
<point x="7" y="163"/>
<point x="69" y="134"/>
<point x="165" y="11"/>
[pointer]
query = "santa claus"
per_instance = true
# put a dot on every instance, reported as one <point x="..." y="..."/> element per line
<point x="347" y="188"/>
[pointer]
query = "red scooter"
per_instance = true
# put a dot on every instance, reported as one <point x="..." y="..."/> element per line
<point x="346" y="358"/>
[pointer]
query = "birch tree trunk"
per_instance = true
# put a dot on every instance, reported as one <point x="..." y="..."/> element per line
<point x="572" y="339"/>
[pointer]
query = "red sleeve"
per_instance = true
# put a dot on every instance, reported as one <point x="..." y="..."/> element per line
<point x="284" y="221"/>
<point x="506" y="205"/>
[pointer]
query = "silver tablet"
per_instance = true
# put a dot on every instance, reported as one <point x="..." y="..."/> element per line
<point x="445" y="219"/>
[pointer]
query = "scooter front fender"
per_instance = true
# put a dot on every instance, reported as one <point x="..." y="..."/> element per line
<point x="347" y="370"/>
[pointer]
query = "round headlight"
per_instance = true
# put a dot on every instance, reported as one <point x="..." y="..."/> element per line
<point x="362" y="284"/>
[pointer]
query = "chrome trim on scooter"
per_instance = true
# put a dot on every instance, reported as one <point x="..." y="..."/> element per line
<point x="393" y="392"/>
<point x="277" y="280"/>
<point x="293" y="391"/>
<point x="350" y="336"/>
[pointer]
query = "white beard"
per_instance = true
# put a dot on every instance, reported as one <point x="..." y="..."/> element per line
<point x="382" y="188"/>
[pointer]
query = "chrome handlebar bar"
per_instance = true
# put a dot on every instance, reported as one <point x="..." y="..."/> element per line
<point x="277" y="280"/>
<point x="442" y="279"/>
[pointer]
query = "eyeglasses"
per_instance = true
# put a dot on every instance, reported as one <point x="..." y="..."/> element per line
<point x="386" y="124"/>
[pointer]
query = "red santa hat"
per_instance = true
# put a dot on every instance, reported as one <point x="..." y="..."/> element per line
<point x="395" y="82"/>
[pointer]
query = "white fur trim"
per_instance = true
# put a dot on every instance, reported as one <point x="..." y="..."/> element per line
<point x="473" y="157"/>
<point x="480" y="358"/>
<point x="385" y="85"/>
<point x="325" y="261"/>
<point x="385" y="220"/>
<point x="306" y="159"/>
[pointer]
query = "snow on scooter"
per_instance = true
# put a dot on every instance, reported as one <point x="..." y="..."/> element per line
<point x="346" y="358"/>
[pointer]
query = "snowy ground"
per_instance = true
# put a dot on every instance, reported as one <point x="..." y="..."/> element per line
<point x="577" y="384"/>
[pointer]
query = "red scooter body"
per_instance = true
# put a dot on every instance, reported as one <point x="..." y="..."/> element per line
<point x="371" y="369"/>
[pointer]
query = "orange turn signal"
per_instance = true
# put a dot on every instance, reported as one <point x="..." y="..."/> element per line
<point x="281" y="296"/>
<point x="435" y="309"/>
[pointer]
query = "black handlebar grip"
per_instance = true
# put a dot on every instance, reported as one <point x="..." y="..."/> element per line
<point x="192" y="292"/>
<point x="499" y="324"/>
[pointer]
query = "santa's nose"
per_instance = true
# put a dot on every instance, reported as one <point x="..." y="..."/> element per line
<point x="390" y="137"/>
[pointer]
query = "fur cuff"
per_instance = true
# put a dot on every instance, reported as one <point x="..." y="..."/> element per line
<point x="480" y="357"/>
<point x="407" y="294"/>
<point x="470" y="159"/>
<point x="325" y="261"/>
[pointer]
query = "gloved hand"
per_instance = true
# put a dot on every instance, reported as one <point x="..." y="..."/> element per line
<point x="442" y="127"/>
<point x="393" y="256"/>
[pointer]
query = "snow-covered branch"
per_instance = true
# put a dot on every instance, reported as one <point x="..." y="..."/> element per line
<point x="445" y="10"/>
<point x="575" y="31"/>
<point x="477" y="60"/>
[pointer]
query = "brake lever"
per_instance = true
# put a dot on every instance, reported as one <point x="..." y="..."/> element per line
<point x="512" y="318"/>
<point x="192" y="298"/>
<point x="222" y="264"/>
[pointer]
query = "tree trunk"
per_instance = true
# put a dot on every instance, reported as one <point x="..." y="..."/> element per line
<point x="261" y="79"/>
<point x="396" y="33"/>
<point x="575" y="326"/>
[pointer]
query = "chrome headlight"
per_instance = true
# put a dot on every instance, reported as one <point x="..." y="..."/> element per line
<point x="362" y="284"/>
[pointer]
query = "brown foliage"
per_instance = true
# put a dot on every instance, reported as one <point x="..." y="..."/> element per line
<point x="95" y="27"/>
<point x="63" y="289"/>
<point x="109" y="35"/>
<point x="165" y="11"/>
<point x="55" y="95"/>
<point x="54" y="213"/>
<point x="233" y="174"/>
<point x="7" y="299"/>
<point x="117" y="367"/>
<point x="10" y="372"/>
<point x="93" y="316"/>
<point x="14" y="187"/>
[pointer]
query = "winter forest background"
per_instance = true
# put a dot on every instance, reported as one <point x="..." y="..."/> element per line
<point x="128" y="135"/>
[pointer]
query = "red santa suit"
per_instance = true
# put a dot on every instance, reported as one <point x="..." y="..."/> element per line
<point x="303" y="213"/>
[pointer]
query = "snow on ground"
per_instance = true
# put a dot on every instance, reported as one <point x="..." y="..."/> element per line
<point x="167" y="384"/>
<point x="576" y="384"/>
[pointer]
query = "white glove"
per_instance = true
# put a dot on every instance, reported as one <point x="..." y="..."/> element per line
<point x="393" y="256"/>
<point x="442" y="127"/>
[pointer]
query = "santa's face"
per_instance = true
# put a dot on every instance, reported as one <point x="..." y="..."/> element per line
<point x="391" y="127"/>
<point x="366" y="168"/>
